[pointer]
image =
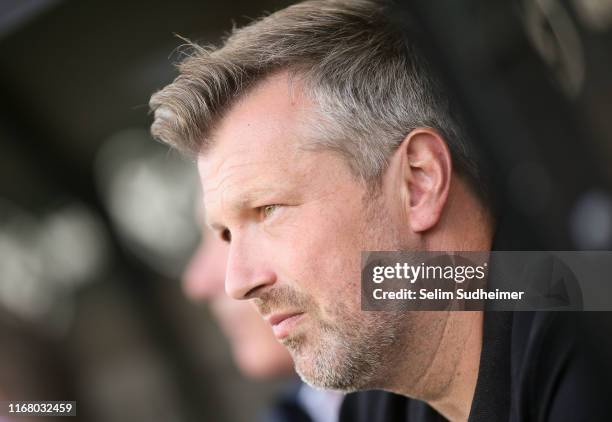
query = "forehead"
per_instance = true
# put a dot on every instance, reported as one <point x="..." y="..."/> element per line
<point x="256" y="146"/>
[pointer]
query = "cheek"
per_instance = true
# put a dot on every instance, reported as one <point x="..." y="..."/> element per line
<point x="324" y="258"/>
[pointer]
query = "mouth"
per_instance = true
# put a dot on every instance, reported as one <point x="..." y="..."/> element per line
<point x="283" y="323"/>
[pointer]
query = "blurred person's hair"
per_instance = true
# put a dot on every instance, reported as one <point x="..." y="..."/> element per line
<point x="372" y="86"/>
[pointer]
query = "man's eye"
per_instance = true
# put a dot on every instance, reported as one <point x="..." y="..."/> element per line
<point x="267" y="210"/>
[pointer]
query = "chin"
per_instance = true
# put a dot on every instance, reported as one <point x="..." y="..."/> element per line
<point x="335" y="361"/>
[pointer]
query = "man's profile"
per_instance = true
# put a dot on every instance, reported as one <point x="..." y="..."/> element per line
<point x="254" y="349"/>
<point x="320" y="131"/>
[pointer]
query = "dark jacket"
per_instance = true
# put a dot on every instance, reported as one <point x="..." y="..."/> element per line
<point x="534" y="366"/>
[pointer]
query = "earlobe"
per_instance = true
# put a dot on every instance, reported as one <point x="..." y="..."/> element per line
<point x="427" y="177"/>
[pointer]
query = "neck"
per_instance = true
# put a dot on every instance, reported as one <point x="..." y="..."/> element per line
<point x="443" y="372"/>
<point x="449" y="382"/>
<point x="459" y="358"/>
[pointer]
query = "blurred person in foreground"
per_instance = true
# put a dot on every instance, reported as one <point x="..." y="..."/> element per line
<point x="321" y="131"/>
<point x="255" y="350"/>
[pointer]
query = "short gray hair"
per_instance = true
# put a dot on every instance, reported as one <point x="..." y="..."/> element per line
<point x="371" y="84"/>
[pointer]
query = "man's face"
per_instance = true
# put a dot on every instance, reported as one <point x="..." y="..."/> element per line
<point x="298" y="221"/>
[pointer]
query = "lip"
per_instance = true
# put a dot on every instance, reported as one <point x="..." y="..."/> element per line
<point x="283" y="323"/>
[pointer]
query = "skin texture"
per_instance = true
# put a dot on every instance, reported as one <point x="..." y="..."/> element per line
<point x="255" y="350"/>
<point x="297" y="220"/>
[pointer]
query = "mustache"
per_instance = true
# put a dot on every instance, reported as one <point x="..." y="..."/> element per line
<point x="283" y="297"/>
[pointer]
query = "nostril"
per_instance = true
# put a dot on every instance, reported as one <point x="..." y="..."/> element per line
<point x="247" y="286"/>
<point x="253" y="292"/>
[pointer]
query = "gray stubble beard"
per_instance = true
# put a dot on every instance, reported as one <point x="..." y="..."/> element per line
<point x="348" y="358"/>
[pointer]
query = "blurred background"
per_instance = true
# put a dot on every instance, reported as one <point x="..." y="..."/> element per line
<point x="97" y="220"/>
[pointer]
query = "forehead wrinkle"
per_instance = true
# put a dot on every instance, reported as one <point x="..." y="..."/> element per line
<point x="229" y="174"/>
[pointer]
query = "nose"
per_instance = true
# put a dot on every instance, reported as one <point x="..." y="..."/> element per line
<point x="248" y="270"/>
<point x="204" y="277"/>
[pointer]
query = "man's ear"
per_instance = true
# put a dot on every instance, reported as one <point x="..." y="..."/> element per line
<point x="426" y="171"/>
